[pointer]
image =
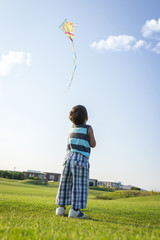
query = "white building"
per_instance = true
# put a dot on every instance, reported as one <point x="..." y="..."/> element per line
<point x="94" y="182"/>
<point x="126" y="187"/>
<point x="109" y="184"/>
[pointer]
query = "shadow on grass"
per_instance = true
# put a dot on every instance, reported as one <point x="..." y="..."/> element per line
<point x="114" y="222"/>
<point x="125" y="224"/>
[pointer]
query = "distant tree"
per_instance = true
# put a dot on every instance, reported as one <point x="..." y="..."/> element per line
<point x="1" y="171"/>
<point x="135" y="188"/>
<point x="31" y="177"/>
<point x="20" y="176"/>
<point x="36" y="178"/>
<point x="12" y="175"/>
<point x="91" y="184"/>
<point x="45" y="181"/>
<point x="9" y="175"/>
<point x="5" y="174"/>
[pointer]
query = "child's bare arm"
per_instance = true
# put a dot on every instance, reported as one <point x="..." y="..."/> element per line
<point x="91" y="137"/>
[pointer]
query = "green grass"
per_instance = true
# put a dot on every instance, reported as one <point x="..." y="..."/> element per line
<point x="27" y="211"/>
<point x="125" y="194"/>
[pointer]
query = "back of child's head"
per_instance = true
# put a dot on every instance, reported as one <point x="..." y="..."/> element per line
<point x="78" y="115"/>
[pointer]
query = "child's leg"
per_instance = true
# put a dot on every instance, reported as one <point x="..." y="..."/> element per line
<point x="80" y="187"/>
<point x="65" y="187"/>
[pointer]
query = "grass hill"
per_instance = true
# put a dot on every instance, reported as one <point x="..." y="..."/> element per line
<point x="27" y="211"/>
<point x="125" y="194"/>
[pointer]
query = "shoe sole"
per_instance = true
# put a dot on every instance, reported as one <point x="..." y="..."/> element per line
<point x="78" y="217"/>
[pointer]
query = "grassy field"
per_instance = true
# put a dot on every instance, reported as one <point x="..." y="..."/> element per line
<point x="27" y="211"/>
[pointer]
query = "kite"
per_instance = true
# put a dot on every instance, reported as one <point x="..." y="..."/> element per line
<point x="68" y="28"/>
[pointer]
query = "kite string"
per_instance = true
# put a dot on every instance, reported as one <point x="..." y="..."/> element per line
<point x="74" y="66"/>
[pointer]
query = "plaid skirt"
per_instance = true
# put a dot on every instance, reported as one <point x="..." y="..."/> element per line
<point x="74" y="183"/>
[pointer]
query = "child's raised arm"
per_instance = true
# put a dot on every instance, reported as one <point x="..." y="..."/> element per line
<point x="91" y="137"/>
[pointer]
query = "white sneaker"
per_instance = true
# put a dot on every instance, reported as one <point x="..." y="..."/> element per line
<point x="60" y="211"/>
<point x="76" y="214"/>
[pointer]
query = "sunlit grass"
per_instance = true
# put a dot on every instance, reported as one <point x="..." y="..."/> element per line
<point x="125" y="194"/>
<point x="27" y="211"/>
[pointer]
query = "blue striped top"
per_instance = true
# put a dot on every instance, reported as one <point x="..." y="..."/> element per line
<point x="78" y="140"/>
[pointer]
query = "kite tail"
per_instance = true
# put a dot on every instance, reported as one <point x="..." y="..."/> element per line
<point x="74" y="66"/>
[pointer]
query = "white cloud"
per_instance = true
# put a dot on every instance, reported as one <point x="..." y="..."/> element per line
<point x="28" y="59"/>
<point x="151" y="28"/>
<point x="8" y="61"/>
<point x="156" y="49"/>
<point x="140" y="44"/>
<point x="119" y="43"/>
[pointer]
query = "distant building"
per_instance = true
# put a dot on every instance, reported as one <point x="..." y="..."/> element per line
<point x="126" y="187"/>
<point x="49" y="176"/>
<point x="53" y="176"/>
<point x="94" y="181"/>
<point x="34" y="173"/>
<point x="109" y="184"/>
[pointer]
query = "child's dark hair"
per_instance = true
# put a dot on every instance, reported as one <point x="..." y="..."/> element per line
<point x="78" y="115"/>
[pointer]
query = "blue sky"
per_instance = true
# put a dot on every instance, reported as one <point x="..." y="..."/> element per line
<point x="117" y="79"/>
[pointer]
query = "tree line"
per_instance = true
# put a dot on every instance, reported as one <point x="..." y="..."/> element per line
<point x="12" y="175"/>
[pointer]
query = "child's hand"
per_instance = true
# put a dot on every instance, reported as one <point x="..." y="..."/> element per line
<point x="91" y="137"/>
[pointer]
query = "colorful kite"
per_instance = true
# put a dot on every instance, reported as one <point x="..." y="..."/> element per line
<point x="68" y="28"/>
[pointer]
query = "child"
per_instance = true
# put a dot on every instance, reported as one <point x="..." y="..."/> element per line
<point x="73" y="188"/>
